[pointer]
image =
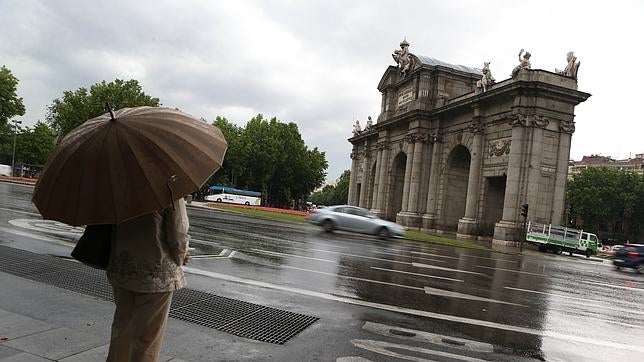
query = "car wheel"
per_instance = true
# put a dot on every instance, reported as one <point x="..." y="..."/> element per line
<point x="383" y="233"/>
<point x="218" y="200"/>
<point x="247" y="203"/>
<point x="328" y="226"/>
<point x="638" y="269"/>
<point x="589" y="253"/>
<point x="557" y="250"/>
<point x="617" y="267"/>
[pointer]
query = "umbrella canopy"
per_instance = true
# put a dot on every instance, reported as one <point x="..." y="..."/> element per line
<point x="113" y="168"/>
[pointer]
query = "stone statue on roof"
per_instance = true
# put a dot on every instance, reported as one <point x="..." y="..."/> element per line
<point x="369" y="124"/>
<point x="356" y="128"/>
<point x="403" y="58"/>
<point x="487" y="79"/>
<point x="572" y="67"/>
<point x="524" y="63"/>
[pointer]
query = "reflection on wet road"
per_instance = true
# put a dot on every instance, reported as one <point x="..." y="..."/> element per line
<point x="541" y="306"/>
<point x="462" y="302"/>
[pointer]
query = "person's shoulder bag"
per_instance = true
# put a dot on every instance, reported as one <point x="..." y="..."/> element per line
<point x="93" y="248"/>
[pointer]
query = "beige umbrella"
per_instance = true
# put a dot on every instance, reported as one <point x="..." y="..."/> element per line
<point x="127" y="163"/>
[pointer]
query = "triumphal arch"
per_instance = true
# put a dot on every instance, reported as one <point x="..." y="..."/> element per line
<point x="455" y="151"/>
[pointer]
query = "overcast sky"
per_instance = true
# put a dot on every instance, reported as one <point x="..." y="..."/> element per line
<point x="318" y="63"/>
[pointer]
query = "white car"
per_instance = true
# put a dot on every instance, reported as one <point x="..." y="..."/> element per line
<point x="354" y="219"/>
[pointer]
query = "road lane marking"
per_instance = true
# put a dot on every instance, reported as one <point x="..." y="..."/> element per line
<point x="410" y="256"/>
<point x="274" y="253"/>
<point x="22" y="212"/>
<point x="416" y="312"/>
<point x="353" y="255"/>
<point x="35" y="236"/>
<point x="426" y="337"/>
<point x="421" y="265"/>
<point x="419" y="274"/>
<point x="510" y="270"/>
<point x="614" y="286"/>
<point x="451" y="294"/>
<point x="576" y="300"/>
<point x="387" y="348"/>
<point x="352" y="278"/>
<point x="464" y="256"/>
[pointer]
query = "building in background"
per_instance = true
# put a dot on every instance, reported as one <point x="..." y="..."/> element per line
<point x="635" y="164"/>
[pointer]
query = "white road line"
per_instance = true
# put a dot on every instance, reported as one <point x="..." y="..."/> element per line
<point x="410" y="256"/>
<point x="35" y="236"/>
<point x="614" y="286"/>
<point x="593" y="302"/>
<point x="419" y="274"/>
<point x="451" y="294"/>
<point x="464" y="256"/>
<point x="389" y="349"/>
<point x="352" y="278"/>
<point x="421" y="265"/>
<point x="416" y="312"/>
<point x="274" y="253"/>
<point x="510" y="270"/>
<point x="353" y="255"/>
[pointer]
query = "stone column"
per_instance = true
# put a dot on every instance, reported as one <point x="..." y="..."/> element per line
<point x="408" y="166"/>
<point x="467" y="226"/>
<point x="352" y="198"/>
<point x="376" y="182"/>
<point x="567" y="128"/>
<point x="366" y="169"/>
<point x="382" y="180"/>
<point x="429" y="218"/>
<point x="506" y="230"/>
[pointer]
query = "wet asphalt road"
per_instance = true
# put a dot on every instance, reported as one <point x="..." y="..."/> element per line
<point x="396" y="299"/>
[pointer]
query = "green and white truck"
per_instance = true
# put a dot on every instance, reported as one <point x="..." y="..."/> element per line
<point x="560" y="239"/>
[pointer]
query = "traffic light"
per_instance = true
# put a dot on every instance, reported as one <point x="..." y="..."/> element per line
<point x="524" y="210"/>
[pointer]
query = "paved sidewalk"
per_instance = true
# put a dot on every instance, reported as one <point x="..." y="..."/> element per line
<point x="39" y="322"/>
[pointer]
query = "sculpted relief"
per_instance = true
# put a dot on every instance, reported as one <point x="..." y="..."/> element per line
<point x="499" y="148"/>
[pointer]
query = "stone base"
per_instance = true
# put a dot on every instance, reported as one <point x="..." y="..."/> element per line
<point x="506" y="233"/>
<point x="428" y="223"/>
<point x="408" y="219"/>
<point x="467" y="229"/>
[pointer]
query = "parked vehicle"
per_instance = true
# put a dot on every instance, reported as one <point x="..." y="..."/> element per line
<point x="560" y="238"/>
<point x="354" y="219"/>
<point x="630" y="256"/>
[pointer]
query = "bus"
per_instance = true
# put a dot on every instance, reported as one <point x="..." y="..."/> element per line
<point x="232" y="195"/>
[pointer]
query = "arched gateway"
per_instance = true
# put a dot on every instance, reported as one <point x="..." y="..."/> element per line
<point x="446" y="156"/>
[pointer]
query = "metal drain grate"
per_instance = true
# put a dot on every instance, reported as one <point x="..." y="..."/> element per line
<point x="228" y="315"/>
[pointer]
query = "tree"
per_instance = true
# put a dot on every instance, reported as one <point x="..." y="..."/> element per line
<point x="78" y="106"/>
<point x="333" y="195"/>
<point x="608" y="200"/>
<point x="10" y="104"/>
<point x="34" y="144"/>
<point x="270" y="156"/>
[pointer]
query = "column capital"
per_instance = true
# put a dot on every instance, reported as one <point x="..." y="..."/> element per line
<point x="518" y="120"/>
<point x="436" y="137"/>
<point x="382" y="145"/>
<point x="477" y="127"/>
<point x="540" y="121"/>
<point x="567" y="126"/>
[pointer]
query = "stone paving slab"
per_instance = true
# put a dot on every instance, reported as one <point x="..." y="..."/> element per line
<point x="56" y="343"/>
<point x="13" y="326"/>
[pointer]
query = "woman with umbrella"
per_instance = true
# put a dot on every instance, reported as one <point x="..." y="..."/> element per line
<point x="129" y="168"/>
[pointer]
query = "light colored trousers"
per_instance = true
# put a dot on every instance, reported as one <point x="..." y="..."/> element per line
<point x="138" y="326"/>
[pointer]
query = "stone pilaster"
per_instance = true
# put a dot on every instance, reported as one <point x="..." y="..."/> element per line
<point x="366" y="179"/>
<point x="428" y="222"/>
<point x="352" y="198"/>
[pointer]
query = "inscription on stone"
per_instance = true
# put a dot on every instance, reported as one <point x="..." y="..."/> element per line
<point x="405" y="95"/>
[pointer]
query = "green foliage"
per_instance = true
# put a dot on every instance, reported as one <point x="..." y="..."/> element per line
<point x="333" y="195"/>
<point x="608" y="200"/>
<point x="78" y="106"/>
<point x="10" y="104"/>
<point x="32" y="144"/>
<point x="270" y="156"/>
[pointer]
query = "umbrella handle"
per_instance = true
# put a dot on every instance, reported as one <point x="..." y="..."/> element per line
<point x="172" y="178"/>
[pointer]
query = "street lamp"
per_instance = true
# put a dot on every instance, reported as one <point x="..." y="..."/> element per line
<point x="13" y="155"/>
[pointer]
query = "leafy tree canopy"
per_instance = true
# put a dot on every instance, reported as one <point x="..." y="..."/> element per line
<point x="10" y="104"/>
<point x="333" y="195"/>
<point x="76" y="107"/>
